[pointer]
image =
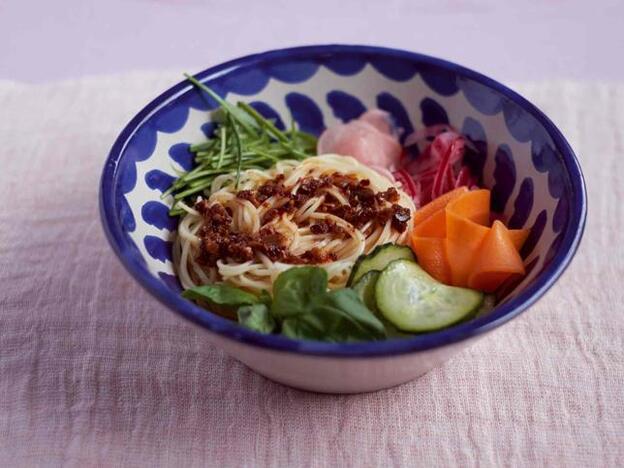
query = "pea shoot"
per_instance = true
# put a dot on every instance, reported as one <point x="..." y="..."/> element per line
<point x="243" y="139"/>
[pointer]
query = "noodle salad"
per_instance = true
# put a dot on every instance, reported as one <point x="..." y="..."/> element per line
<point x="344" y="238"/>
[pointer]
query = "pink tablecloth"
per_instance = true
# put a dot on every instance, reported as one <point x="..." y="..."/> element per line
<point x="94" y="372"/>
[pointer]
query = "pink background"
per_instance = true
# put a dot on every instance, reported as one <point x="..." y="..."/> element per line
<point x="513" y="41"/>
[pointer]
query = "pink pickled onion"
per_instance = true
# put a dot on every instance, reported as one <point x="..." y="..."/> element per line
<point x="408" y="184"/>
<point x="439" y="168"/>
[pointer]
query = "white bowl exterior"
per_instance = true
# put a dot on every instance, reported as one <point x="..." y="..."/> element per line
<point x="338" y="375"/>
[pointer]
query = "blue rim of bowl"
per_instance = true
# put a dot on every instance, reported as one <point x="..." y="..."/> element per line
<point x="129" y="256"/>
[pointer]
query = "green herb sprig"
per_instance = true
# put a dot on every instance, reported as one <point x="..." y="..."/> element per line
<point x="301" y="308"/>
<point x="243" y="139"/>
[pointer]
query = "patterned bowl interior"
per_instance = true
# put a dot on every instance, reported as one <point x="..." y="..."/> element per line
<point x="532" y="182"/>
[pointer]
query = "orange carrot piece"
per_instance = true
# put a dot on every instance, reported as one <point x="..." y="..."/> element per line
<point x="431" y="255"/>
<point x="518" y="237"/>
<point x="454" y="244"/>
<point x="437" y="204"/>
<point x="487" y="281"/>
<point x="463" y="241"/>
<point x="497" y="260"/>
<point x="474" y="205"/>
<point x="433" y="226"/>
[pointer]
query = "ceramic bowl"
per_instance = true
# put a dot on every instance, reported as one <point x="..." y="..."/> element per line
<point x="535" y="179"/>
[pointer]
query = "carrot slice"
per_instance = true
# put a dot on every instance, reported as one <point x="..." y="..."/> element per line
<point x="433" y="226"/>
<point x="487" y="281"/>
<point x="497" y="260"/>
<point x="463" y="241"/>
<point x="454" y="244"/>
<point x="474" y="205"/>
<point x="518" y="237"/>
<point x="437" y="204"/>
<point x="431" y="255"/>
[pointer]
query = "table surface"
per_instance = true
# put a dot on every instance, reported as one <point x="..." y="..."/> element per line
<point x="95" y="372"/>
<point x="512" y="41"/>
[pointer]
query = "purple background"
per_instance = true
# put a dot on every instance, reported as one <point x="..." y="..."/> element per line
<point x="513" y="41"/>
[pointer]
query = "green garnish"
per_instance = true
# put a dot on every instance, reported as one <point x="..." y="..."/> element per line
<point x="318" y="314"/>
<point x="221" y="294"/>
<point x="301" y="308"/>
<point x="243" y="140"/>
<point x="257" y="317"/>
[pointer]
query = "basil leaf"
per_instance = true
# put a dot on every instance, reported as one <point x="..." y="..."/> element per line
<point x="257" y="317"/>
<point x="221" y="294"/>
<point x="336" y="316"/>
<point x="265" y="298"/>
<point x="295" y="289"/>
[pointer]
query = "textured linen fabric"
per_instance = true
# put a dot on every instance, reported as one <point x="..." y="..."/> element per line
<point x="94" y="372"/>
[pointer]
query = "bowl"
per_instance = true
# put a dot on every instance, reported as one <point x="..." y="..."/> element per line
<point x="534" y="175"/>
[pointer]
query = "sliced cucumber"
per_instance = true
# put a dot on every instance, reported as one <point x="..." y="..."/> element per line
<point x="489" y="302"/>
<point x="413" y="301"/>
<point x="378" y="259"/>
<point x="365" y="288"/>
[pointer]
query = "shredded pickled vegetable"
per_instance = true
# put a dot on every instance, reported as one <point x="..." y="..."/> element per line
<point x="440" y="166"/>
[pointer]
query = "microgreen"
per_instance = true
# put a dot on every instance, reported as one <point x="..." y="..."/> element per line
<point x="243" y="139"/>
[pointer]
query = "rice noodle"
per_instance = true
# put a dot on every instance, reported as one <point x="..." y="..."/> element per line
<point x="259" y="273"/>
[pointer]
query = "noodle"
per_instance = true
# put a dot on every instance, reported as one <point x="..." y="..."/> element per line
<point x="259" y="273"/>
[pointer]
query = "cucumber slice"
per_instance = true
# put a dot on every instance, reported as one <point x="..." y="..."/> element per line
<point x="413" y="301"/>
<point x="489" y="302"/>
<point x="365" y="289"/>
<point x="378" y="259"/>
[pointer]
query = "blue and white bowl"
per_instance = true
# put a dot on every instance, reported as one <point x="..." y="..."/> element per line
<point x="535" y="179"/>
